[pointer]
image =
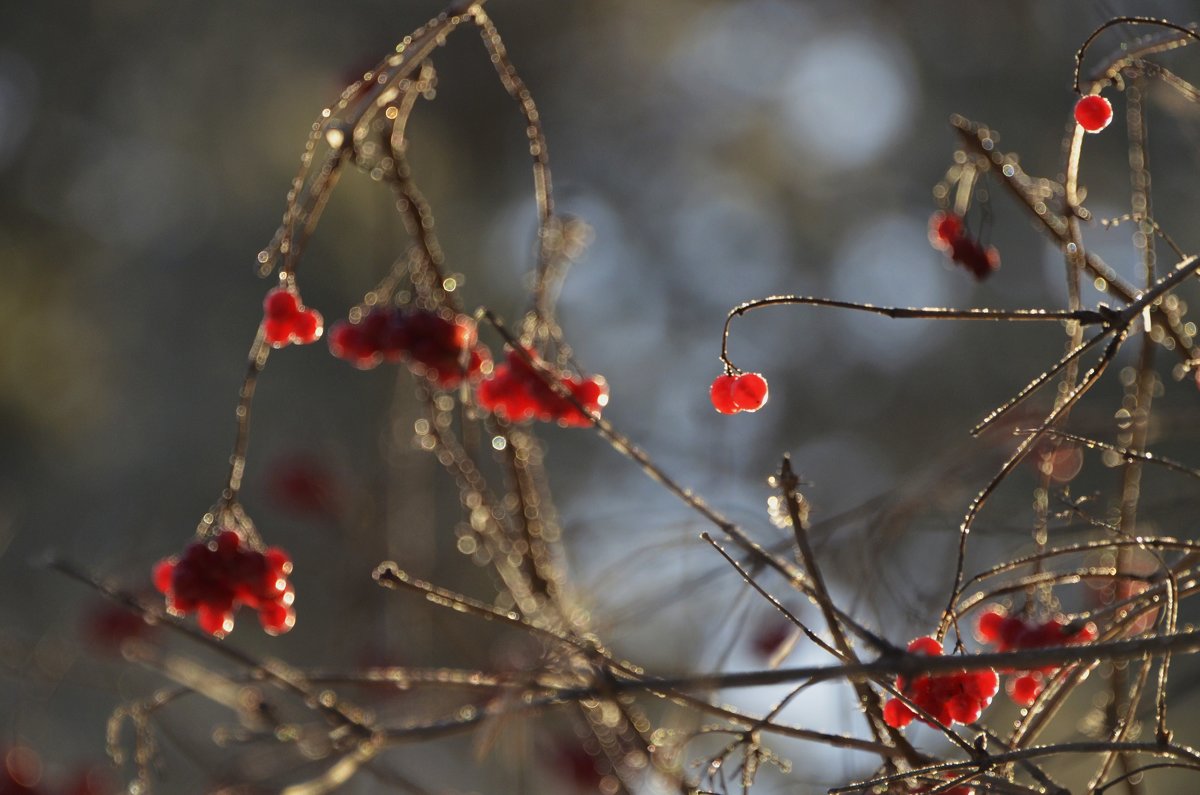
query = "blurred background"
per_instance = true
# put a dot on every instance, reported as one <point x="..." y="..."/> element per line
<point x="720" y="150"/>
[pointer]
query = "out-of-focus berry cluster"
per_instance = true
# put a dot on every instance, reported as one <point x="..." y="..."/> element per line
<point x="213" y="578"/>
<point x="515" y="392"/>
<point x="437" y="346"/>
<point x="1014" y="632"/>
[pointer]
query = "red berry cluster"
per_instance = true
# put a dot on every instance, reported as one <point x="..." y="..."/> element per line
<point x="948" y="233"/>
<point x="434" y="345"/>
<point x="515" y="392"/>
<point x="287" y="320"/>
<point x="1093" y="113"/>
<point x="1012" y="633"/>
<point x="214" y="578"/>
<point x="958" y="697"/>
<point x="732" y="394"/>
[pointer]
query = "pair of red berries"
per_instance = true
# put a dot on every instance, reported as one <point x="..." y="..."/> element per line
<point x="214" y="578"/>
<point x="439" y="346"/>
<point x="948" y="234"/>
<point x="516" y="392"/>
<point x="1093" y="113"/>
<point x="286" y="320"/>
<point x="957" y="697"/>
<point x="1013" y="632"/>
<point x="732" y="394"/>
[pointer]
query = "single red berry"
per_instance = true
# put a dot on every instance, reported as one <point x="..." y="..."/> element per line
<point x="280" y="304"/>
<point x="944" y="229"/>
<point x="276" y="618"/>
<point x="721" y="393"/>
<point x="1024" y="690"/>
<point x="771" y="637"/>
<point x="925" y="645"/>
<point x="592" y="392"/>
<point x="750" y="392"/>
<point x="214" y="621"/>
<point x="307" y="326"/>
<point x="1093" y="113"/>
<point x="897" y="714"/>
<point x="164" y="573"/>
<point x="108" y="626"/>
<point x="964" y="709"/>
<point x="974" y="257"/>
<point x="277" y="331"/>
<point x="983" y="684"/>
<point x="990" y="623"/>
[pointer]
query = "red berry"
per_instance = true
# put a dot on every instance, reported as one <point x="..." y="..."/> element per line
<point x="770" y="638"/>
<point x="1093" y="113"/>
<point x="944" y="229"/>
<point x="1085" y="634"/>
<point x="214" y="621"/>
<point x="1024" y="690"/>
<point x="990" y="623"/>
<point x="592" y="393"/>
<point x="307" y="326"/>
<point x="897" y="714"/>
<point x="721" y="393"/>
<point x="164" y="573"/>
<point x="974" y="257"/>
<point x="277" y="332"/>
<point x="925" y="645"/>
<point x="983" y="684"/>
<point x="280" y="304"/>
<point x="108" y="626"/>
<point x="750" y="392"/>
<point x="276" y="618"/>
<point x="964" y="709"/>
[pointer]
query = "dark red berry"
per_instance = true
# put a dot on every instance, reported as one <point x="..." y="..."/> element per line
<point x="280" y="304"/>
<point x="305" y="486"/>
<point x="109" y="625"/>
<point x="1093" y="113"/>
<point x="348" y="341"/>
<point x="980" y="261"/>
